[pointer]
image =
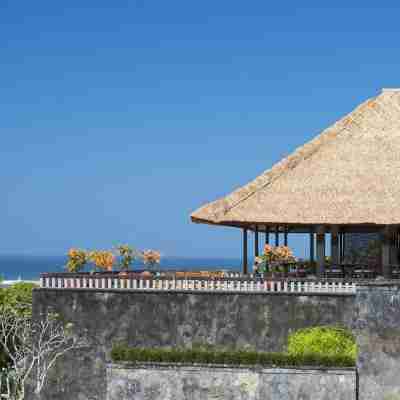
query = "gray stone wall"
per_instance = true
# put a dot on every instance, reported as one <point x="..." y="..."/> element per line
<point x="257" y="321"/>
<point x="377" y="328"/>
<point x="142" y="382"/>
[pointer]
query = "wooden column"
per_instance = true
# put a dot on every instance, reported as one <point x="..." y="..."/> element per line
<point x="335" y="245"/>
<point x="393" y="249"/>
<point x="256" y="245"/>
<point x="344" y="245"/>
<point x="312" y="250"/>
<point x="285" y="238"/>
<point x="320" y="251"/>
<point x="267" y="235"/>
<point x="244" y="255"/>
<point x="386" y="241"/>
<point x="277" y="236"/>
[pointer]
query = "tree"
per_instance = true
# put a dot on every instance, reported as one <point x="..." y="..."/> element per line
<point x="33" y="347"/>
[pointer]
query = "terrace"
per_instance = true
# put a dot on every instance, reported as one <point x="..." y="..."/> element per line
<point x="344" y="181"/>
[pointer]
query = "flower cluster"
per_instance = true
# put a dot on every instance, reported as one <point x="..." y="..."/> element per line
<point x="77" y="260"/>
<point x="273" y="255"/>
<point x="283" y="253"/>
<point x="151" y="258"/>
<point x="102" y="259"/>
<point x="278" y="253"/>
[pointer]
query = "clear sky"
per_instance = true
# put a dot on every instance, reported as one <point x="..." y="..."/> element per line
<point x="118" y="118"/>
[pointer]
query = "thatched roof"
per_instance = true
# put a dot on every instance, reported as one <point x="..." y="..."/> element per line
<point x="348" y="175"/>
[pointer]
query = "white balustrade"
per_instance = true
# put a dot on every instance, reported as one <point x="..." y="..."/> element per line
<point x="230" y="284"/>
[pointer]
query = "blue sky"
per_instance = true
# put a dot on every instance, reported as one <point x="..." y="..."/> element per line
<point x="117" y="119"/>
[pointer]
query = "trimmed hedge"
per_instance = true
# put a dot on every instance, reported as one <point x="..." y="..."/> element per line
<point x="327" y="341"/>
<point x="121" y="352"/>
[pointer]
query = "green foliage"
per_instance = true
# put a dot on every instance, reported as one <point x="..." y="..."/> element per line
<point x="121" y="352"/>
<point x="17" y="298"/>
<point x="127" y="255"/>
<point x="323" y="342"/>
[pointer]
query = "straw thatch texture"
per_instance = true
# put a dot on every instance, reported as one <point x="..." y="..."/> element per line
<point x="349" y="174"/>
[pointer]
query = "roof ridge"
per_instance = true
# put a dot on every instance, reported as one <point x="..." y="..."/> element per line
<point x="311" y="147"/>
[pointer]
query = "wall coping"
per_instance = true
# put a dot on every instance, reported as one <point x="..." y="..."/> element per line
<point x="256" y="368"/>
<point x="195" y="292"/>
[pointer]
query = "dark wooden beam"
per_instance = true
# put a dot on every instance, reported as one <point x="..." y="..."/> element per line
<point x="244" y="255"/>
<point x="335" y="256"/>
<point x="277" y="236"/>
<point x="312" y="246"/>
<point x="321" y="251"/>
<point x="386" y="242"/>
<point x="256" y="244"/>
<point x="267" y="235"/>
<point x="285" y="237"/>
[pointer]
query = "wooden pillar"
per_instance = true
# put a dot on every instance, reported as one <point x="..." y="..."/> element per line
<point x="386" y="241"/>
<point x="266" y="235"/>
<point x="320" y="251"/>
<point x="244" y="261"/>
<point x="312" y="250"/>
<point x="277" y="236"/>
<point x="393" y="249"/>
<point x="256" y="245"/>
<point x="342" y="246"/>
<point x="335" y="245"/>
<point x="285" y="238"/>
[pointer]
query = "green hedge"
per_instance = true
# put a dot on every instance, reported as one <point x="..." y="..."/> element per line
<point x="122" y="352"/>
<point x="323" y="341"/>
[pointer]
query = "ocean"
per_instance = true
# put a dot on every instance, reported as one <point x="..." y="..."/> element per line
<point x="29" y="267"/>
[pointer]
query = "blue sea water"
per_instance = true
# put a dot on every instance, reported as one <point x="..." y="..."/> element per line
<point x="29" y="267"/>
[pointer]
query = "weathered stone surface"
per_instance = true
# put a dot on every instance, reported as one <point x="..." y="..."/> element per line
<point x="377" y="328"/>
<point x="206" y="383"/>
<point x="148" y="319"/>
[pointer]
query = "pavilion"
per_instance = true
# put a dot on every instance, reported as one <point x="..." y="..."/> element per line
<point x="347" y="179"/>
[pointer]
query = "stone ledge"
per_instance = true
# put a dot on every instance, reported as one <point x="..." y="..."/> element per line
<point x="224" y="367"/>
<point x="197" y="292"/>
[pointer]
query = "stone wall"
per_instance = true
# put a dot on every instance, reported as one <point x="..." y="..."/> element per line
<point x="159" y="382"/>
<point x="259" y="321"/>
<point x="377" y="328"/>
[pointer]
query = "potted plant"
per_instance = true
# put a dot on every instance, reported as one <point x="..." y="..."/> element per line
<point x="127" y="255"/>
<point x="151" y="259"/>
<point x="102" y="260"/>
<point x="77" y="259"/>
<point x="274" y="260"/>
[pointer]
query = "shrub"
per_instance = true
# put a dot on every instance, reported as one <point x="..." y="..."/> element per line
<point x="323" y="342"/>
<point x="121" y="352"/>
<point x="19" y="298"/>
<point x="77" y="260"/>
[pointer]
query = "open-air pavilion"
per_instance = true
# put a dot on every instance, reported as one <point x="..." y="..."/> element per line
<point x="346" y="180"/>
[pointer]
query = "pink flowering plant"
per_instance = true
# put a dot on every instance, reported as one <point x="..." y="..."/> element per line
<point x="272" y="257"/>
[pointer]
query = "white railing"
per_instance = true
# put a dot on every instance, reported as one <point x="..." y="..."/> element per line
<point x="235" y="285"/>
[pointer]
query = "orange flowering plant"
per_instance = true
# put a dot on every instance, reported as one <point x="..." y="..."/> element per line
<point x="273" y="254"/>
<point x="77" y="260"/>
<point x="151" y="258"/>
<point x="103" y="260"/>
